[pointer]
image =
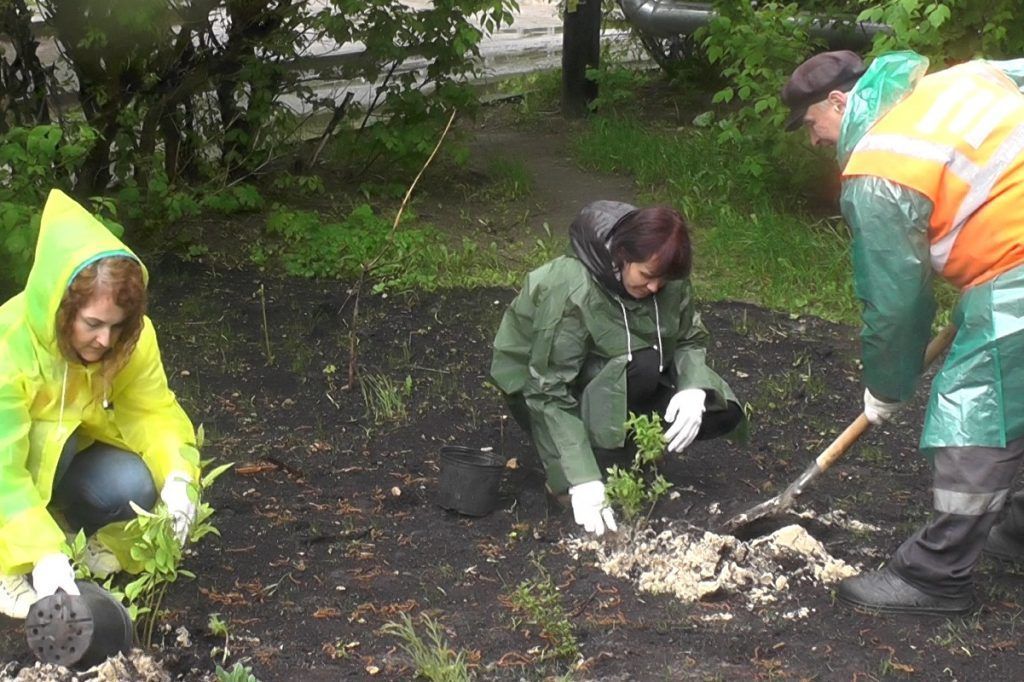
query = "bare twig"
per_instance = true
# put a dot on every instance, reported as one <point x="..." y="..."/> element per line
<point x="353" y="335"/>
<point x="266" y="330"/>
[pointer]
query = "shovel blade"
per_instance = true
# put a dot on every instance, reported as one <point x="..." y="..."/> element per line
<point x="755" y="513"/>
<point x="782" y="502"/>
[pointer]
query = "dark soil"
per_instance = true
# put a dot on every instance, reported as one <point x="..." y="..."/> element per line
<point x="330" y="527"/>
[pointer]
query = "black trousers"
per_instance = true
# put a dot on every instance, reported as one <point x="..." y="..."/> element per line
<point x="970" y="486"/>
<point x="649" y="391"/>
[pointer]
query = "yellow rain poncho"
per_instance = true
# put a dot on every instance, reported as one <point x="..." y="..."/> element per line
<point x="44" y="398"/>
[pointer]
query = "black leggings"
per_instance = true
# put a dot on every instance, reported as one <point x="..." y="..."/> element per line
<point x="649" y="391"/>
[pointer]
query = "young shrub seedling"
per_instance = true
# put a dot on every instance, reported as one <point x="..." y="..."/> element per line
<point x="540" y="602"/>
<point x="157" y="549"/>
<point x="639" y="486"/>
<point x="432" y="656"/>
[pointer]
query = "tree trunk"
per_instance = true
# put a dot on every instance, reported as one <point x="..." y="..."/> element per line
<point x="581" y="50"/>
<point x="23" y="81"/>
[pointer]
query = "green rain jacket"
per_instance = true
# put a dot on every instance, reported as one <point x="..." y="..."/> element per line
<point x="563" y="343"/>
<point x="44" y="398"/>
<point x="977" y="398"/>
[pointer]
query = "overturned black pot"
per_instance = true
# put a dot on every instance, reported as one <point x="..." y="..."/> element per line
<point x="78" y="631"/>
<point x="469" y="480"/>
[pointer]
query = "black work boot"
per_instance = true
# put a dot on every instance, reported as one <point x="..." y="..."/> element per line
<point x="1003" y="544"/>
<point x="885" y="592"/>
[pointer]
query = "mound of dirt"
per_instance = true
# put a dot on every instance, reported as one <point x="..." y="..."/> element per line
<point x="693" y="565"/>
<point x="136" y="666"/>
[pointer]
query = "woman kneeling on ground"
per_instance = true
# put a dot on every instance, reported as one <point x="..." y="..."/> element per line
<point x="87" y="422"/>
<point x="608" y="330"/>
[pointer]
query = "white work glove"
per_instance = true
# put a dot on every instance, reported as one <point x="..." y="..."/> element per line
<point x="53" y="572"/>
<point x="685" y="412"/>
<point x="878" y="411"/>
<point x="175" y="497"/>
<point x="590" y="509"/>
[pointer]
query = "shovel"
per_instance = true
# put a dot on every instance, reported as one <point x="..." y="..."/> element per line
<point x="830" y="455"/>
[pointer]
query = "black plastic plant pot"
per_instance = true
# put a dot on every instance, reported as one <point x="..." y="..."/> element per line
<point x="78" y="631"/>
<point x="469" y="480"/>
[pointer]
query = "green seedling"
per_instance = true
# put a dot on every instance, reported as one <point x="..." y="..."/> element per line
<point x="238" y="673"/>
<point x="157" y="550"/>
<point x="432" y="656"/>
<point x="641" y="485"/>
<point x="219" y="628"/>
<point x="385" y="398"/>
<point x="540" y="603"/>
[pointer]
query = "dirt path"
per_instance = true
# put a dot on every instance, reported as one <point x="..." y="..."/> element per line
<point x="560" y="187"/>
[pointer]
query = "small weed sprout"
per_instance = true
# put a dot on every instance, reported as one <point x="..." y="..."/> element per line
<point x="633" y="489"/>
<point x="219" y="628"/>
<point x="540" y="603"/>
<point x="432" y="656"/>
<point x="76" y="553"/>
<point x="385" y="398"/>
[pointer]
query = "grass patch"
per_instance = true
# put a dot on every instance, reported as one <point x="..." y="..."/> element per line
<point x="511" y="180"/>
<point x="431" y="655"/>
<point x="417" y="256"/>
<point x="754" y="238"/>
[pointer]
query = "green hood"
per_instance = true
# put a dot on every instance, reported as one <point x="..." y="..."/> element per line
<point x="70" y="238"/>
<point x="888" y="80"/>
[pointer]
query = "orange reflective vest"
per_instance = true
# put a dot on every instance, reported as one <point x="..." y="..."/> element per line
<point x="958" y="139"/>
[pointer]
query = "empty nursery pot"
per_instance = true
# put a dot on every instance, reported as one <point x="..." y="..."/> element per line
<point x="469" y="480"/>
<point x="78" y="630"/>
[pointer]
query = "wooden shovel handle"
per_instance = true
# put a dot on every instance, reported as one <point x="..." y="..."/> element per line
<point x="856" y="429"/>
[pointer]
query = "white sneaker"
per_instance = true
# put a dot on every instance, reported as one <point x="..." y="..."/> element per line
<point x="16" y="596"/>
<point x="100" y="561"/>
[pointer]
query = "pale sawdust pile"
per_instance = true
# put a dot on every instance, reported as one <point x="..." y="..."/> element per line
<point x="694" y="565"/>
<point x="136" y="666"/>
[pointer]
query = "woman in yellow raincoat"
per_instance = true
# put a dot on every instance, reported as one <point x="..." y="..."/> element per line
<point x="87" y="422"/>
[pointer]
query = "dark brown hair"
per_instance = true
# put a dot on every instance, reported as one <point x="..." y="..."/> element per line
<point x="659" y="233"/>
<point x="122" y="278"/>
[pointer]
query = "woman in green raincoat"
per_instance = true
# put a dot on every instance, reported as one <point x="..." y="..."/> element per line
<point x="87" y="422"/>
<point x="933" y="182"/>
<point x="610" y="329"/>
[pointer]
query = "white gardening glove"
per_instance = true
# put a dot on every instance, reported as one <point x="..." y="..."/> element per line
<point x="685" y="412"/>
<point x="878" y="411"/>
<point x="53" y="572"/>
<point x="590" y="509"/>
<point x="175" y="497"/>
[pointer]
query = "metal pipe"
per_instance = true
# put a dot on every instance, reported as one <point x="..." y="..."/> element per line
<point x="667" y="18"/>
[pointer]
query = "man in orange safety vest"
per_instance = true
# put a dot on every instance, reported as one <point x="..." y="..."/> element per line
<point x="933" y="183"/>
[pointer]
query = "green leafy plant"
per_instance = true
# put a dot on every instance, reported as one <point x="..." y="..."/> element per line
<point x="755" y="46"/>
<point x="156" y="548"/>
<point x="950" y="31"/>
<point x="237" y="673"/>
<point x="540" y="602"/>
<point x="431" y="655"/>
<point x="641" y="485"/>
<point x="616" y="85"/>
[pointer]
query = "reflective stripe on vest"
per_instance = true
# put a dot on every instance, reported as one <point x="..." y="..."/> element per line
<point x="958" y="139"/>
